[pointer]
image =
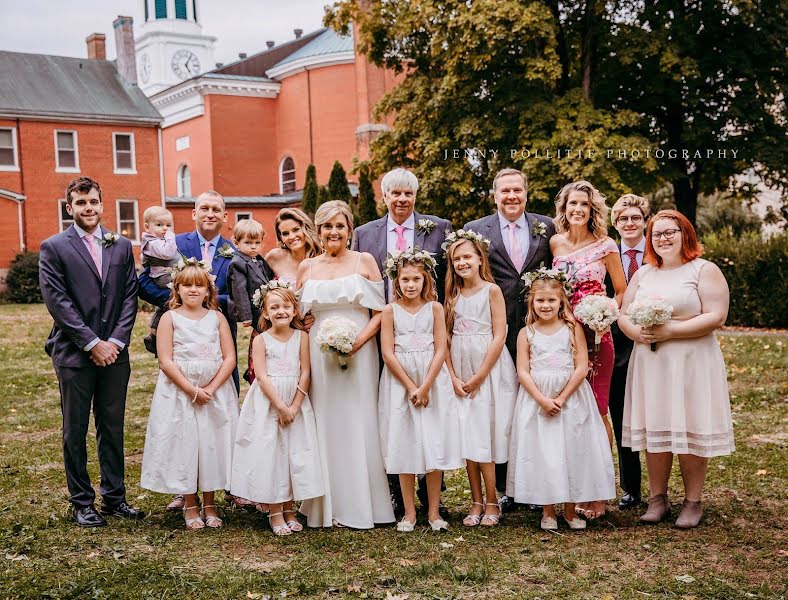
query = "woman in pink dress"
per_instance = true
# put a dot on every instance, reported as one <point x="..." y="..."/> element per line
<point x="582" y="249"/>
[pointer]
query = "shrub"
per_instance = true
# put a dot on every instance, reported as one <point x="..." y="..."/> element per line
<point x="756" y="269"/>
<point x="22" y="279"/>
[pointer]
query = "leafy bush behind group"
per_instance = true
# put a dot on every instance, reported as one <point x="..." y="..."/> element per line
<point x="22" y="279"/>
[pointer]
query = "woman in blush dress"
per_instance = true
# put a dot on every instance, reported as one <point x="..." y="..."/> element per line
<point x="296" y="241"/>
<point x="582" y="249"/>
<point x="348" y="284"/>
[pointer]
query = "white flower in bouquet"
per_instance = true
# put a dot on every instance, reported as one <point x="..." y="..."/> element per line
<point x="336" y="335"/>
<point x="650" y="311"/>
<point x="598" y="313"/>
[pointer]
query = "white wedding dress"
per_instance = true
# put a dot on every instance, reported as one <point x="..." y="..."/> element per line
<point x="345" y="403"/>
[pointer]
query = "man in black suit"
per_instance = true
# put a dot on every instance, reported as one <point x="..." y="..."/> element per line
<point x="89" y="285"/>
<point x="519" y="242"/>
<point x="629" y="215"/>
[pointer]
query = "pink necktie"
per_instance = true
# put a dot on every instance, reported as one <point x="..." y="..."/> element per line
<point x="206" y="253"/>
<point x="401" y="243"/>
<point x="90" y="242"/>
<point x="515" y="250"/>
<point x="633" y="262"/>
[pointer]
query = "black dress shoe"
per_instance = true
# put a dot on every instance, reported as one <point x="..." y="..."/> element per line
<point x="628" y="501"/>
<point x="399" y="510"/>
<point x="150" y="343"/>
<point x="506" y="503"/>
<point x="86" y="516"/>
<point x="122" y="510"/>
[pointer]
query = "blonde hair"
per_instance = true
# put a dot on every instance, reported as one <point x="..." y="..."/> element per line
<point x="154" y="212"/>
<point x="210" y="194"/>
<point x="564" y="312"/>
<point x="194" y="275"/>
<point x="329" y="210"/>
<point x="248" y="228"/>
<point x="597" y="222"/>
<point x="629" y="201"/>
<point x="428" y="291"/>
<point x="454" y="283"/>
<point x="286" y="295"/>
<point x="311" y="240"/>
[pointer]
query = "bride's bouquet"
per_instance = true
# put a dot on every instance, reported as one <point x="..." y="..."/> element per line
<point x="598" y="313"/>
<point x="648" y="312"/>
<point x="336" y="335"/>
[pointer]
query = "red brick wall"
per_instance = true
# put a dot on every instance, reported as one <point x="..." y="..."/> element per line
<point x="199" y="155"/>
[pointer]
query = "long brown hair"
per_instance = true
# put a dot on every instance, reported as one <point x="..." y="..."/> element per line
<point x="691" y="248"/>
<point x="428" y="292"/>
<point x="454" y="283"/>
<point x="194" y="275"/>
<point x="564" y="312"/>
<point x="597" y="220"/>
<point x="311" y="240"/>
<point x="286" y="295"/>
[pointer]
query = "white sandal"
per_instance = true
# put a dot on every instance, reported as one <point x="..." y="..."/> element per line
<point x="195" y="523"/>
<point x="212" y="522"/>
<point x="494" y="518"/>
<point x="406" y="526"/>
<point x="473" y="520"/>
<point x="278" y="529"/>
<point x="292" y="522"/>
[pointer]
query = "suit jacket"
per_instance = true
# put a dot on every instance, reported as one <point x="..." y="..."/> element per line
<point x="84" y="305"/>
<point x="622" y="344"/>
<point x="189" y="246"/>
<point x="244" y="278"/>
<point x="372" y="237"/>
<point x="506" y="276"/>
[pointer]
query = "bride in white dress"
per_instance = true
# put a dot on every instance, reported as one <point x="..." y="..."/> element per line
<point x="341" y="282"/>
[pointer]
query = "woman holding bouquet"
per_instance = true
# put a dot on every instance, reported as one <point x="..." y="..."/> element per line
<point x="676" y="398"/>
<point x="346" y="286"/>
<point x="582" y="249"/>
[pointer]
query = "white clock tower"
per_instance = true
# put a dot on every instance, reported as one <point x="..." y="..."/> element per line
<point x="170" y="46"/>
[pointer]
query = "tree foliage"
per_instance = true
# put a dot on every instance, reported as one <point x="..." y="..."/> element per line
<point x="367" y="205"/>
<point x="309" y="201"/>
<point x="337" y="184"/>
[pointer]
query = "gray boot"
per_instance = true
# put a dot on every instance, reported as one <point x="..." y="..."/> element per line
<point x="658" y="509"/>
<point x="690" y="515"/>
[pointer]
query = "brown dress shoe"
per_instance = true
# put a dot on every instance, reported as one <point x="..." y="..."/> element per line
<point x="690" y="515"/>
<point x="658" y="509"/>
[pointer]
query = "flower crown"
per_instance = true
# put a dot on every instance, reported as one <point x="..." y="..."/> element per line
<point x="545" y="273"/>
<point x="395" y="260"/>
<point x="184" y="262"/>
<point x="258" y="298"/>
<point x="463" y="234"/>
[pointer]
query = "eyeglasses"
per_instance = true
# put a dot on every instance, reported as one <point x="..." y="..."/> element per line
<point x="635" y="220"/>
<point x="668" y="234"/>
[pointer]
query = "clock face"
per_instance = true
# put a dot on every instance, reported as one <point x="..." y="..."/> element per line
<point x="145" y="68"/>
<point x="185" y="64"/>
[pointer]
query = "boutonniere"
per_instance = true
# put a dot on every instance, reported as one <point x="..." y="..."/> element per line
<point x="226" y="251"/>
<point x="425" y="226"/>
<point x="109" y="239"/>
<point x="538" y="228"/>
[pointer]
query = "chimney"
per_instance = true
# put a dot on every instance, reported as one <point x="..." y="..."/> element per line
<point x="124" y="45"/>
<point x="298" y="33"/>
<point x="270" y="44"/>
<point x="96" y="46"/>
<point x="242" y="55"/>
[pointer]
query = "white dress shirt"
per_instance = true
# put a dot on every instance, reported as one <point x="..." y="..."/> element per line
<point x="522" y="232"/>
<point x="640" y="247"/>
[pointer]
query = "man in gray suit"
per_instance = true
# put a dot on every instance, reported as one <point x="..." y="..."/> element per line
<point x="89" y="285"/>
<point x="519" y="242"/>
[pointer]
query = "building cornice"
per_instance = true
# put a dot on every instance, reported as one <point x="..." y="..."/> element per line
<point x="288" y="69"/>
<point x="79" y="118"/>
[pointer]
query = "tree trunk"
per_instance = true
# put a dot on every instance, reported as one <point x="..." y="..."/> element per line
<point x="563" y="85"/>
<point x="686" y="197"/>
<point x="588" y="49"/>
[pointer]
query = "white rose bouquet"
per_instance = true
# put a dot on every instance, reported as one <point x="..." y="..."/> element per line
<point x="337" y="334"/>
<point x="648" y="312"/>
<point x="598" y="313"/>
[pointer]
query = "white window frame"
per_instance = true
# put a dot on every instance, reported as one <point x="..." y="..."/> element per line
<point x="179" y="183"/>
<point x="58" y="168"/>
<point x="15" y="146"/>
<point x="246" y="214"/>
<point x="135" y="240"/>
<point x="121" y="171"/>
<point x="61" y="202"/>
<point x="281" y="174"/>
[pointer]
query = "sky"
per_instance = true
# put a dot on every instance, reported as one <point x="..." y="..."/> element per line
<point x="60" y="27"/>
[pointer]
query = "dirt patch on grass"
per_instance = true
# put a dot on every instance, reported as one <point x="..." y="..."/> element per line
<point x="27" y="436"/>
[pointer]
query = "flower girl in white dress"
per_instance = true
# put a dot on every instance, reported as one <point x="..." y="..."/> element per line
<point x="419" y="422"/>
<point x="481" y="368"/>
<point x="276" y="458"/>
<point x="559" y="449"/>
<point x="194" y="412"/>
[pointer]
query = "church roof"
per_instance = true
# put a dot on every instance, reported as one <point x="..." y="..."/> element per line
<point x="257" y="64"/>
<point x="328" y="42"/>
<point x="58" y="87"/>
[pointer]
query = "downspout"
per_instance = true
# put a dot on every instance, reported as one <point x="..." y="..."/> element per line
<point x="20" y="209"/>
<point x="161" y="166"/>
<point x="309" y="111"/>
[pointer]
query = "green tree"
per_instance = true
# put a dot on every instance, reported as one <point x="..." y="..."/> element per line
<point x="309" y="201"/>
<point x="367" y="205"/>
<point x="337" y="184"/>
<point x="323" y="195"/>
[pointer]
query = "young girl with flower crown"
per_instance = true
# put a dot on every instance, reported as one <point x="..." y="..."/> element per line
<point x="559" y="449"/>
<point x="419" y="424"/>
<point x="276" y="458"/>
<point x="481" y="369"/>
<point x="194" y="412"/>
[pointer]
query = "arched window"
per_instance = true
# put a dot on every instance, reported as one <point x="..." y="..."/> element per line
<point x="287" y="176"/>
<point x="184" y="182"/>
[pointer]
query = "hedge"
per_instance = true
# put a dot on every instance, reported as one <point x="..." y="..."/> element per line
<point x="22" y="279"/>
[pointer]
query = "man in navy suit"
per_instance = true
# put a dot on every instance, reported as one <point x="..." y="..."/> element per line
<point x="89" y="285"/>
<point x="519" y="242"/>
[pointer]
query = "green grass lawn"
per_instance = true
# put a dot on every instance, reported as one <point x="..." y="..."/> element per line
<point x="740" y="551"/>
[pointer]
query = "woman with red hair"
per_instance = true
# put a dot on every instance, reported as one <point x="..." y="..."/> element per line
<point x="677" y="395"/>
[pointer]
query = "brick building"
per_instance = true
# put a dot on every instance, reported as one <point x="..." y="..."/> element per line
<point x="65" y="117"/>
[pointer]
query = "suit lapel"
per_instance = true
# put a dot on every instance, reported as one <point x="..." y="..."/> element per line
<point x="218" y="259"/>
<point x="494" y="235"/>
<point x="419" y="236"/>
<point x="382" y="242"/>
<point x="257" y="268"/>
<point x="81" y="249"/>
<point x="533" y="243"/>
<point x="193" y="246"/>
<point x="106" y="259"/>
